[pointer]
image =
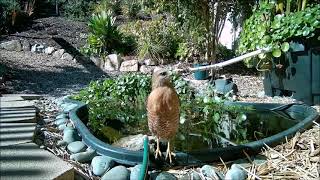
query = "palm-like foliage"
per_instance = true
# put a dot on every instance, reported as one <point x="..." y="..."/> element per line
<point x="104" y="35"/>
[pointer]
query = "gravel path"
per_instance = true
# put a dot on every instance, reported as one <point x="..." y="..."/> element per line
<point x="43" y="74"/>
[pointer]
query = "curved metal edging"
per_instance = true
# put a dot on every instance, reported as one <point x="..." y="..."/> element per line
<point x="196" y="157"/>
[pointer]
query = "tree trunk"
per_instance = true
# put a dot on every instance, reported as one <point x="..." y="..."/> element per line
<point x="210" y="39"/>
<point x="57" y="7"/>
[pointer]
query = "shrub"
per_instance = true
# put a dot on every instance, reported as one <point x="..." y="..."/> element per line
<point x="104" y="36"/>
<point x="192" y="47"/>
<point x="223" y="53"/>
<point x="78" y="9"/>
<point x="8" y="11"/>
<point x="131" y="8"/>
<point x="109" y="5"/>
<point x="158" y="39"/>
<point x="121" y="99"/>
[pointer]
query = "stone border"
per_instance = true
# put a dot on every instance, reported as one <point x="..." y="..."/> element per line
<point x="112" y="62"/>
<point x="24" y="45"/>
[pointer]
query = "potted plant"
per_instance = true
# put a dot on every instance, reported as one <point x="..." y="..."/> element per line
<point x="292" y="31"/>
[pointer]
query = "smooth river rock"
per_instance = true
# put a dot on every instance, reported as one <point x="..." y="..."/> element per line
<point x="211" y="172"/>
<point x="61" y="121"/>
<point x="70" y="135"/>
<point x="62" y="115"/>
<point x="117" y="173"/>
<point x="236" y="173"/>
<point x="100" y="164"/>
<point x="135" y="172"/>
<point x="13" y="45"/>
<point x="83" y="157"/>
<point x="165" y="176"/>
<point x="76" y="147"/>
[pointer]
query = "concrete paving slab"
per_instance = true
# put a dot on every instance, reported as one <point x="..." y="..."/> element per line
<point x="24" y="96"/>
<point x="28" y="161"/>
<point x="11" y="98"/>
<point x="8" y="111"/>
<point x="16" y="133"/>
<point x="16" y="104"/>
<point x="18" y="114"/>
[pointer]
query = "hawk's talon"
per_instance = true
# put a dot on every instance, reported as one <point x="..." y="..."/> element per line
<point x="169" y="153"/>
<point x="157" y="150"/>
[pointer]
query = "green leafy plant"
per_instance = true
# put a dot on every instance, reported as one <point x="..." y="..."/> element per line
<point x="267" y="29"/>
<point x="104" y="36"/>
<point x="8" y="10"/>
<point x="192" y="45"/>
<point x="122" y="99"/>
<point x="78" y="9"/>
<point x="108" y="5"/>
<point x="158" y="39"/>
<point x="131" y="8"/>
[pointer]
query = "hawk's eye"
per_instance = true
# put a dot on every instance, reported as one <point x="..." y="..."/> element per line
<point x="163" y="73"/>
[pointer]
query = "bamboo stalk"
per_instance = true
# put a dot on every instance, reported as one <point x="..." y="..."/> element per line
<point x="288" y="7"/>
<point x="303" y="6"/>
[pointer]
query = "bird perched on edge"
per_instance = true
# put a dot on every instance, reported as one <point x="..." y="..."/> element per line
<point x="163" y="110"/>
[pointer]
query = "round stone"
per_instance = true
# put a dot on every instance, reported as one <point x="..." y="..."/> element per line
<point x="100" y="164"/>
<point x="62" y="143"/>
<point x="193" y="176"/>
<point x="61" y="121"/>
<point x="62" y="126"/>
<point x="208" y="171"/>
<point x="83" y="157"/>
<point x="135" y="172"/>
<point x="70" y="136"/>
<point x="211" y="172"/>
<point x="69" y="128"/>
<point x="76" y="147"/>
<point x="68" y="107"/>
<point x="60" y="116"/>
<point x="117" y="173"/>
<point x="236" y="173"/>
<point x="165" y="176"/>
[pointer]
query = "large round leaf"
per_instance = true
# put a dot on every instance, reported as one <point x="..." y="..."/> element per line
<point x="262" y="56"/>
<point x="276" y="53"/>
<point x="285" y="46"/>
<point x="306" y="32"/>
<point x="216" y="117"/>
<point x="315" y="23"/>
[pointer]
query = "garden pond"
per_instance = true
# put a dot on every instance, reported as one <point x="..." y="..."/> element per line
<point x="117" y="110"/>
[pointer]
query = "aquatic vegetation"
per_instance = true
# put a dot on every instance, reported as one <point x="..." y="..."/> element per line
<point x="117" y="109"/>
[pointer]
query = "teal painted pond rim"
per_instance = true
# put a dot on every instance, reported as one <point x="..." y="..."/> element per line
<point x="128" y="157"/>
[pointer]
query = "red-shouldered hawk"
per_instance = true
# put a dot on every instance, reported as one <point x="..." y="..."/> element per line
<point x="163" y="109"/>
